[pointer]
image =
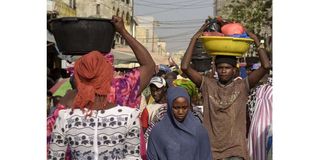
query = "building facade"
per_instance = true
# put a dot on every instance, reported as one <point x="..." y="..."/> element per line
<point x="106" y="9"/>
<point x="57" y="9"/>
<point x="60" y="8"/>
<point x="146" y="35"/>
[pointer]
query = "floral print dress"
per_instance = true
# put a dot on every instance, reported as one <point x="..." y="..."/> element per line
<point x="107" y="134"/>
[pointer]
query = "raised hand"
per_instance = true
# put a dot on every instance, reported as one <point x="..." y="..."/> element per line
<point x="118" y="23"/>
<point x="200" y="31"/>
<point x="253" y="36"/>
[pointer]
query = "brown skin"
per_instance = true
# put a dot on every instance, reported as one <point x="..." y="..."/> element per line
<point x="196" y="77"/>
<point x="180" y="108"/>
<point x="226" y="73"/>
<point x="147" y="65"/>
<point x="158" y="94"/>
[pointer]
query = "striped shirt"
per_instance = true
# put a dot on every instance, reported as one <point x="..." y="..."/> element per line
<point x="261" y="121"/>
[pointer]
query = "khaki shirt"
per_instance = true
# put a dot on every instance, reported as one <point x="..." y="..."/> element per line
<point x="225" y="116"/>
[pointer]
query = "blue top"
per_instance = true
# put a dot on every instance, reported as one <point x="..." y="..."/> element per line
<point x="173" y="140"/>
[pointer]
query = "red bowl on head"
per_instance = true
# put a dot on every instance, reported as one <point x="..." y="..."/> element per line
<point x="232" y="28"/>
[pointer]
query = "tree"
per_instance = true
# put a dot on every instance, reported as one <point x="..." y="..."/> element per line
<point x="255" y="15"/>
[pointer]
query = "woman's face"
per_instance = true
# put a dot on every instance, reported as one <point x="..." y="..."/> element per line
<point x="180" y="108"/>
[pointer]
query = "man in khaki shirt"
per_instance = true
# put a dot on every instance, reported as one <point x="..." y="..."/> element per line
<point x="225" y="100"/>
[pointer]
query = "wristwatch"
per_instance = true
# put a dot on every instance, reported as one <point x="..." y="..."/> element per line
<point x="261" y="45"/>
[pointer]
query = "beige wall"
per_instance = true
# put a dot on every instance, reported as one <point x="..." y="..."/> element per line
<point x="144" y="31"/>
<point x="107" y="8"/>
<point x="61" y="7"/>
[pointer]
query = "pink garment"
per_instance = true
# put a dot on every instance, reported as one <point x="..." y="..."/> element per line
<point x="261" y="120"/>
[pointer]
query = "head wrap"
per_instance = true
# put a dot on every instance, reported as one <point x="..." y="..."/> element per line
<point x="188" y="85"/>
<point x="93" y="75"/>
<point x="232" y="60"/>
<point x="181" y="137"/>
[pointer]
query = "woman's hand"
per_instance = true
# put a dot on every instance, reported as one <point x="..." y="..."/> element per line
<point x="200" y="31"/>
<point x="118" y="23"/>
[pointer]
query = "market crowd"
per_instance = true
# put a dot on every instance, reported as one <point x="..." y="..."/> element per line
<point x="160" y="112"/>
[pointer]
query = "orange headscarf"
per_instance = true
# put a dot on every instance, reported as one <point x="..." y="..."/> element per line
<point x="93" y="75"/>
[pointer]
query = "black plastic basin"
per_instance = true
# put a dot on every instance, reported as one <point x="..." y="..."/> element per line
<point x="201" y="63"/>
<point x="78" y="36"/>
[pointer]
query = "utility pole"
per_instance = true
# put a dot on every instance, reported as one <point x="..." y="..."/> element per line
<point x="154" y="24"/>
<point x="215" y="8"/>
<point x="133" y="27"/>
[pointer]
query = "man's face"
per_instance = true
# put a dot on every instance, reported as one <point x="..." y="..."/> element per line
<point x="157" y="93"/>
<point x="180" y="108"/>
<point x="225" y="72"/>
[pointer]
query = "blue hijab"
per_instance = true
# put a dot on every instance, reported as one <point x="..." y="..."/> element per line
<point x="173" y="140"/>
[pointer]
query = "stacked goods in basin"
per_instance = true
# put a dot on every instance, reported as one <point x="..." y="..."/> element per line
<point x="225" y="38"/>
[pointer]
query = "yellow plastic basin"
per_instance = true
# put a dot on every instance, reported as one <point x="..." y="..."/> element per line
<point x="229" y="46"/>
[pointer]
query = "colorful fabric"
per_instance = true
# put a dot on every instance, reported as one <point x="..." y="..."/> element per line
<point x="57" y="85"/>
<point x="144" y="118"/>
<point x="171" y="139"/>
<point x="108" y="134"/>
<point x="224" y="116"/>
<point x="62" y="90"/>
<point x="188" y="85"/>
<point x="243" y="72"/>
<point x="261" y="121"/>
<point x="124" y="89"/>
<point x="243" y="35"/>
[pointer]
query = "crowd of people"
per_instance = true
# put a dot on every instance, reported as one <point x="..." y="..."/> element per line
<point x="160" y="112"/>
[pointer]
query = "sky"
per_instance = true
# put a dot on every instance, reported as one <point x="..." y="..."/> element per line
<point x="178" y="19"/>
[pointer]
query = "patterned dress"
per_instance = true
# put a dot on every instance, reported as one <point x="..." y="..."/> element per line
<point x="107" y="134"/>
<point x="124" y="92"/>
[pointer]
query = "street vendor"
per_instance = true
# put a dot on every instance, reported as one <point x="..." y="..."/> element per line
<point x="225" y="100"/>
<point x="101" y="96"/>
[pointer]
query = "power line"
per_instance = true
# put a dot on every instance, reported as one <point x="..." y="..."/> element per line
<point x="160" y="28"/>
<point x="173" y="3"/>
<point x="144" y="18"/>
<point x="170" y="9"/>
<point x="176" y="6"/>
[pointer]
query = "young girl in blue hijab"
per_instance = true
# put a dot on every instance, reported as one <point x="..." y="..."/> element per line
<point x="179" y="135"/>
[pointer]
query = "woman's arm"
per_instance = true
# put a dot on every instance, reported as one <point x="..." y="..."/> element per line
<point x="147" y="65"/>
